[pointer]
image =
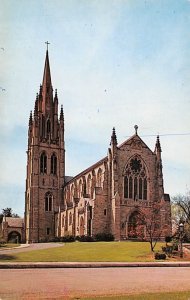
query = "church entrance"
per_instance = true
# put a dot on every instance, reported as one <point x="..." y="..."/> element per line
<point x="135" y="226"/>
<point x="14" y="237"/>
<point x="81" y="228"/>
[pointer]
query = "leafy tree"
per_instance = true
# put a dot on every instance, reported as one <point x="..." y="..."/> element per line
<point x="182" y="210"/>
<point x="7" y="212"/>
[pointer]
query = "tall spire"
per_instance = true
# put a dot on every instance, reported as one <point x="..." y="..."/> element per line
<point x="47" y="89"/>
<point x="47" y="74"/>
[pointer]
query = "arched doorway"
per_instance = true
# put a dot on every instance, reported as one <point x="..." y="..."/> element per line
<point x="14" y="237"/>
<point x="81" y="228"/>
<point x="135" y="226"/>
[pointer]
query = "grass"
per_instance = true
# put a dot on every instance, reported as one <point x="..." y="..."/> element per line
<point x="90" y="252"/>
<point x="158" y="296"/>
<point x="9" y="245"/>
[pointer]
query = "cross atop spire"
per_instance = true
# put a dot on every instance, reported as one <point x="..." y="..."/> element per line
<point x="47" y="43"/>
<point x="136" y="128"/>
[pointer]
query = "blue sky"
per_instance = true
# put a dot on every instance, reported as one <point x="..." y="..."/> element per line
<point x="114" y="63"/>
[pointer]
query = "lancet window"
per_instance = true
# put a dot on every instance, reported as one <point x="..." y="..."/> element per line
<point x="48" y="202"/>
<point x="135" y="180"/>
<point x="43" y="163"/>
<point x="53" y="164"/>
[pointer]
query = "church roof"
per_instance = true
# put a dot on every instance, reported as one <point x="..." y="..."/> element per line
<point x="14" y="222"/>
<point x="88" y="169"/>
<point x="135" y="137"/>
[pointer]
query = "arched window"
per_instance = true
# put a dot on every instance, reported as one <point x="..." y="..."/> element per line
<point x="84" y="186"/>
<point x="70" y="218"/>
<point x="48" y="127"/>
<point x="43" y="163"/>
<point x="53" y="164"/>
<point x="99" y="178"/>
<point x="48" y="202"/>
<point x="135" y="180"/>
<point x="89" y="185"/>
<point x="63" y="221"/>
<point x="80" y="189"/>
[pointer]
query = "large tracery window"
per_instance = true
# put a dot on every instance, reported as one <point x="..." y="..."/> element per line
<point x="43" y="163"/>
<point x="135" y="180"/>
<point x="53" y="164"/>
<point x="48" y="202"/>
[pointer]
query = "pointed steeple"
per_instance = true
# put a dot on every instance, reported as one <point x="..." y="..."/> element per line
<point x="47" y="89"/>
<point x="158" y="146"/>
<point x="61" y="114"/>
<point x="114" y="137"/>
<point x="47" y="74"/>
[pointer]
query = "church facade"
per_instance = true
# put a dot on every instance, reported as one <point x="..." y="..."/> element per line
<point x="105" y="198"/>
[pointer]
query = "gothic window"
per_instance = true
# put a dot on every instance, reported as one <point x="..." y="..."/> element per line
<point x="43" y="163"/>
<point x="48" y="202"/>
<point x="126" y="187"/>
<point x="89" y="185"/>
<point x="63" y="221"/>
<point x="53" y="164"/>
<point x="48" y="127"/>
<point x="80" y="189"/>
<point x="135" y="180"/>
<point x="99" y="178"/>
<point x="84" y="186"/>
<point x="70" y="218"/>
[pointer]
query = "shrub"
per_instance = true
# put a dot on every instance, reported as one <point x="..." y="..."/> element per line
<point x="107" y="237"/>
<point x="159" y="256"/>
<point x="168" y="239"/>
<point x="85" y="238"/>
<point x="55" y="239"/>
<point x="67" y="239"/>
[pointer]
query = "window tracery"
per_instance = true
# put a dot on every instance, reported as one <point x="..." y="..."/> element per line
<point x="135" y="180"/>
<point x="48" y="202"/>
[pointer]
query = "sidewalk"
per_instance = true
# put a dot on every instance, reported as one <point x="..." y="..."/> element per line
<point x="45" y="265"/>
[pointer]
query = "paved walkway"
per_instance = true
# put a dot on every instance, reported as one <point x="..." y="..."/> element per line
<point x="30" y="247"/>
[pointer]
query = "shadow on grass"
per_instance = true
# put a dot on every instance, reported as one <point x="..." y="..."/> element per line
<point x="7" y="257"/>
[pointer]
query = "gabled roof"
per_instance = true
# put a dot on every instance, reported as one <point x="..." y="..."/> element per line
<point x="87" y="170"/>
<point x="135" y="139"/>
<point x="14" y="222"/>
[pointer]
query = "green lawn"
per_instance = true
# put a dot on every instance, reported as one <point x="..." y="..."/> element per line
<point x="155" y="296"/>
<point x="90" y="252"/>
<point x="9" y="245"/>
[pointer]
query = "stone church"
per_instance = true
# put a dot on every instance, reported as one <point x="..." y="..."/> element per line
<point x="105" y="198"/>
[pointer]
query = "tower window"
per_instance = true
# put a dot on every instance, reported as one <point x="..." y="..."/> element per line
<point x="53" y="164"/>
<point x="48" y="202"/>
<point x="48" y="127"/>
<point x="43" y="163"/>
<point x="48" y="230"/>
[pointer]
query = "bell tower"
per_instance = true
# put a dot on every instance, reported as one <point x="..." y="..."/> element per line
<point x="45" y="163"/>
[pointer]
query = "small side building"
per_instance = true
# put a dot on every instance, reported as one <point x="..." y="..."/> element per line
<point x="12" y="229"/>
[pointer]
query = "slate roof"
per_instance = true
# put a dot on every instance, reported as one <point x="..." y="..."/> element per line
<point x="14" y="222"/>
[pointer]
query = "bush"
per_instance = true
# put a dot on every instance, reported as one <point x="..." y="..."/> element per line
<point x="85" y="238"/>
<point x="67" y="239"/>
<point x="168" y="239"/>
<point x="55" y="239"/>
<point x="107" y="237"/>
<point x="159" y="256"/>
